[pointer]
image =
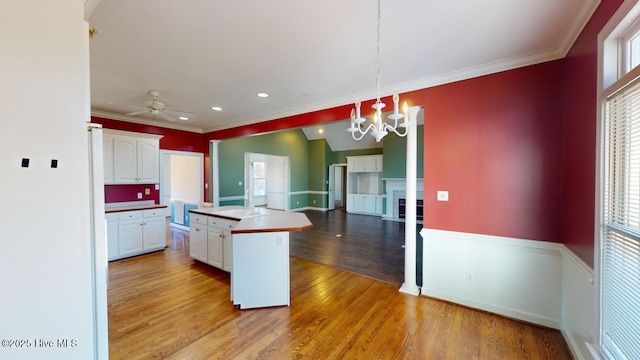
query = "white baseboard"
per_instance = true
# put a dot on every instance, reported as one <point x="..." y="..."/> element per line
<point x="540" y="282"/>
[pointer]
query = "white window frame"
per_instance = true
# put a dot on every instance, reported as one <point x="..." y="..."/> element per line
<point x="613" y="71"/>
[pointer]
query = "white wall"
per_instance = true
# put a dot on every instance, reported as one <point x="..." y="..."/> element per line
<point x="539" y="282"/>
<point x="45" y="268"/>
<point x="186" y="176"/>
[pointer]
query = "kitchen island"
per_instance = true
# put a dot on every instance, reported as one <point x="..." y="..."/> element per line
<point x="250" y="243"/>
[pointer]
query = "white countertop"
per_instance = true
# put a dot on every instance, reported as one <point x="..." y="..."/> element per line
<point x="253" y="220"/>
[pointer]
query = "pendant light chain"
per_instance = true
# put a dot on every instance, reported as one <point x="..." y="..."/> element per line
<point x="379" y="128"/>
<point x="378" y="59"/>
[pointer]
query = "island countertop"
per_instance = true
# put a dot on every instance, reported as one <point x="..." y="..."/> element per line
<point x="254" y="220"/>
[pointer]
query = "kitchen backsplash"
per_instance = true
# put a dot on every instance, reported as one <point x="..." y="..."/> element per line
<point x="120" y="193"/>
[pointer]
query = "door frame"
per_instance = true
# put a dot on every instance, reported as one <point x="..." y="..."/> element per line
<point x="164" y="170"/>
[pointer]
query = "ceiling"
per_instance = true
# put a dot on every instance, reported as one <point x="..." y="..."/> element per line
<point x="308" y="55"/>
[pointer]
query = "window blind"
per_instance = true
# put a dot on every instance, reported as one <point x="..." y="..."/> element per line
<point x="620" y="325"/>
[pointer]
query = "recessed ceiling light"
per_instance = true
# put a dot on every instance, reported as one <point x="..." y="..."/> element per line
<point x="263" y="95"/>
<point x="320" y="131"/>
<point x="216" y="108"/>
<point x="183" y="118"/>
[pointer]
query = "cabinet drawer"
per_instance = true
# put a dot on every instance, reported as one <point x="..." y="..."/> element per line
<point x="222" y="223"/>
<point x="198" y="218"/>
<point x="153" y="213"/>
<point x="111" y="217"/>
<point x="129" y="215"/>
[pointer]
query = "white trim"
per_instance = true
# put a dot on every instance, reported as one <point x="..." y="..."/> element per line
<point x="511" y="277"/>
<point x="163" y="123"/>
<point x="579" y="311"/>
<point x="608" y="73"/>
<point x="540" y="282"/>
<point x="133" y="134"/>
<point x="232" y="198"/>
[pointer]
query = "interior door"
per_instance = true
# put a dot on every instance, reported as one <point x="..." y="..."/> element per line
<point x="277" y="182"/>
<point x="332" y="185"/>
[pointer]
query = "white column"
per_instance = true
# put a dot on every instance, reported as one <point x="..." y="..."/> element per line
<point x="409" y="286"/>
<point x="215" y="170"/>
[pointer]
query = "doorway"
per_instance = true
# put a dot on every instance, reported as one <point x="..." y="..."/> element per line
<point x="267" y="181"/>
<point x="181" y="178"/>
<point x="337" y="190"/>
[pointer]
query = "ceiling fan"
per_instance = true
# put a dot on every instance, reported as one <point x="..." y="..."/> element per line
<point x="155" y="107"/>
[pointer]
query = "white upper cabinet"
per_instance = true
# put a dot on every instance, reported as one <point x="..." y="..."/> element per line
<point x="107" y="153"/>
<point x="148" y="160"/>
<point x="366" y="163"/>
<point x="134" y="158"/>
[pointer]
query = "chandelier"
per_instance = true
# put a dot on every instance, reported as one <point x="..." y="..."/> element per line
<point x="379" y="128"/>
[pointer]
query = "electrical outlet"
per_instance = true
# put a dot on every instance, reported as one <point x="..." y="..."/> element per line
<point x="239" y="183"/>
<point x="297" y="202"/>
<point x="147" y="191"/>
<point x="469" y="276"/>
<point x="139" y="195"/>
<point x="314" y="201"/>
<point x="278" y="241"/>
<point x="443" y="195"/>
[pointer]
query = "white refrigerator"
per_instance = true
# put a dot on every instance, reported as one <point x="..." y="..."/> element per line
<point x="100" y="272"/>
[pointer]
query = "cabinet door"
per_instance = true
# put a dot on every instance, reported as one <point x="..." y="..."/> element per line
<point x="107" y="156"/>
<point x="124" y="160"/>
<point x="214" y="247"/>
<point x="359" y="204"/>
<point x="226" y="245"/>
<point x="350" y="199"/>
<point x="129" y="237"/>
<point x="112" y="239"/>
<point x="198" y="242"/>
<point x="153" y="236"/>
<point x="369" y="203"/>
<point x="148" y="161"/>
<point x="378" y="209"/>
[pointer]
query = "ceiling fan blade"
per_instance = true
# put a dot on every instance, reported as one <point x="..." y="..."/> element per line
<point x="137" y="112"/>
<point x="179" y="111"/>
<point x="168" y="116"/>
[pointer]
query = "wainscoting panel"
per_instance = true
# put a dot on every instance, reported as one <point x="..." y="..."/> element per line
<point x="579" y="306"/>
<point x="535" y="281"/>
<point x="517" y="278"/>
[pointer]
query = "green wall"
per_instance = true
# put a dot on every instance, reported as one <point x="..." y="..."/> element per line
<point x="309" y="160"/>
<point x="291" y="143"/>
<point x="320" y="156"/>
<point x="395" y="154"/>
<point x="340" y="157"/>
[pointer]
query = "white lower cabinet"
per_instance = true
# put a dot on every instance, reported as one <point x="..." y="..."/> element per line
<point x="135" y="232"/>
<point x="210" y="240"/>
<point x="215" y="252"/>
<point x="364" y="204"/>
<point x="198" y="241"/>
<point x="112" y="236"/>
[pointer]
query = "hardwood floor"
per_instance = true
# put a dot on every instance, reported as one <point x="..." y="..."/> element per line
<point x="164" y="305"/>
<point x="362" y="244"/>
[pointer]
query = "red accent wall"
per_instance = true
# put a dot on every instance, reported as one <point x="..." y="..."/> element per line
<point x="121" y="193"/>
<point x="579" y="163"/>
<point x="172" y="140"/>
<point x="495" y="143"/>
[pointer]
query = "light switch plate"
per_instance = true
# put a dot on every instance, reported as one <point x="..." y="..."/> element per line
<point x="443" y="195"/>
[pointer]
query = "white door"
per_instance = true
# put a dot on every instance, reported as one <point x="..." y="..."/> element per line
<point x="332" y="185"/>
<point x="277" y="182"/>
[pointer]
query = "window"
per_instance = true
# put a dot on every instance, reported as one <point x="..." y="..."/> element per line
<point x="619" y="261"/>
<point x="259" y="179"/>
<point x="620" y="286"/>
